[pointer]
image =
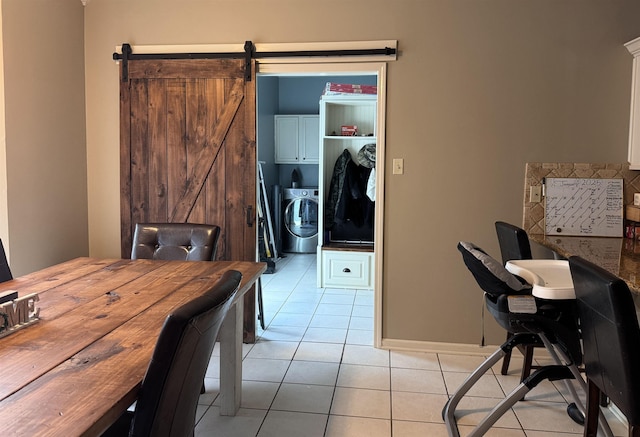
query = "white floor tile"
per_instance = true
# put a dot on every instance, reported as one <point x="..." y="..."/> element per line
<point x="361" y="403"/>
<point x="291" y="319"/>
<point x="326" y="352"/>
<point x="357" y="376"/>
<point x="303" y="398"/>
<point x="268" y="370"/>
<point x="329" y="321"/>
<point x="299" y="307"/>
<point x="312" y="372"/>
<point x="359" y="337"/>
<point x="362" y="311"/>
<point x="343" y="426"/>
<point x="460" y="363"/>
<point x="420" y="407"/>
<point x="417" y="380"/>
<point x="364" y="323"/>
<point x="291" y="424"/>
<point x="283" y="333"/>
<point x="325" y="335"/>
<point x="414" y="360"/>
<point x="356" y="354"/>
<point x="276" y="350"/>
<point x="341" y="299"/>
<point x="334" y="309"/>
<point x="256" y="394"/>
<point x="418" y="429"/>
<point x="245" y="423"/>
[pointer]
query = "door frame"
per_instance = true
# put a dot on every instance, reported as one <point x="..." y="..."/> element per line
<point x="310" y="67"/>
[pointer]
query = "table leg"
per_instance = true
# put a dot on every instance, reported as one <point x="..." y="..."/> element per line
<point x="231" y="360"/>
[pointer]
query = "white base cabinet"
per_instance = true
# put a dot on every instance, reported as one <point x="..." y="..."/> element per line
<point x="345" y="269"/>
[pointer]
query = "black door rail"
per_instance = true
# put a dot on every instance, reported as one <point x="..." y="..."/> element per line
<point x="248" y="54"/>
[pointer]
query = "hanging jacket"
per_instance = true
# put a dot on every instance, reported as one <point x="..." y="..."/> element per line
<point x="335" y="187"/>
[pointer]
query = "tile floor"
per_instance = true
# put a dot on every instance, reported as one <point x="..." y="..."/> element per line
<point x="314" y="372"/>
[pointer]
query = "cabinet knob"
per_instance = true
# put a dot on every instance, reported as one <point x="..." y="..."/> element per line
<point x="346" y="270"/>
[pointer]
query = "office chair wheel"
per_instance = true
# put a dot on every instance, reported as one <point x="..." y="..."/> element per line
<point x="575" y="414"/>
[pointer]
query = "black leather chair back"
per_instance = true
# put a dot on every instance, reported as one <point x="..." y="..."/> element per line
<point x="514" y="242"/>
<point x="610" y="335"/>
<point x="5" y="271"/>
<point x="170" y="390"/>
<point x="175" y="241"/>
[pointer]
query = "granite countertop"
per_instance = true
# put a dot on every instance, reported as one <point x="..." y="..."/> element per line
<point x="620" y="256"/>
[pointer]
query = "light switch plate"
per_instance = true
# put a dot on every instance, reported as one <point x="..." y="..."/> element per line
<point x="398" y="166"/>
<point x="535" y="193"/>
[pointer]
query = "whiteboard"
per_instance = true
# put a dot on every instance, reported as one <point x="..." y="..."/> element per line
<point x="577" y="206"/>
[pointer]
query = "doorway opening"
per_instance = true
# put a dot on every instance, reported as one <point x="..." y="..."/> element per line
<point x="296" y="90"/>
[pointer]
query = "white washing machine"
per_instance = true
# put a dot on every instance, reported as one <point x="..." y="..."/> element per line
<point x="300" y="220"/>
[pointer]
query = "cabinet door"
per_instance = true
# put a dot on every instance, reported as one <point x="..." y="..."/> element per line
<point x="309" y="139"/>
<point x="287" y="137"/>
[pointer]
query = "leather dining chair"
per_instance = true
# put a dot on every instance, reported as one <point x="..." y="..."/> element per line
<point x="5" y="271"/>
<point x="168" y="397"/>
<point x="182" y="242"/>
<point x="175" y="241"/>
<point x="514" y="245"/>
<point x="610" y="342"/>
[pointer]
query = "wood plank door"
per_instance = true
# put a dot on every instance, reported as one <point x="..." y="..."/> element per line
<point x="188" y="152"/>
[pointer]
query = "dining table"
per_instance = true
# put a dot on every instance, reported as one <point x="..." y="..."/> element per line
<point x="80" y="364"/>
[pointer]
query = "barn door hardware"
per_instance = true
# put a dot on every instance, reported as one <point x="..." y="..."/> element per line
<point x="248" y="54"/>
<point x="127" y="55"/>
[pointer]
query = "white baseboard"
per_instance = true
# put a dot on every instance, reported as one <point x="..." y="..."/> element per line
<point x="436" y="347"/>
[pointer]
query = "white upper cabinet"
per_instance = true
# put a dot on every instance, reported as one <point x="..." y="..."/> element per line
<point x="634" y="122"/>
<point x="297" y="139"/>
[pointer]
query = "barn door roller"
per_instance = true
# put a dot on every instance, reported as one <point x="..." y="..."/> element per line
<point x="248" y="54"/>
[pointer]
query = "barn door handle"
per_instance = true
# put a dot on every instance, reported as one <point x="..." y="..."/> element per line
<point x="250" y="216"/>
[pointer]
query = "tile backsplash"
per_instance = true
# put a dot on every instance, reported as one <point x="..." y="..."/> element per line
<point x="533" y="213"/>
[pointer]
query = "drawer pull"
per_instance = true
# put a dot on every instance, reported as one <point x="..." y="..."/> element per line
<point x="346" y="270"/>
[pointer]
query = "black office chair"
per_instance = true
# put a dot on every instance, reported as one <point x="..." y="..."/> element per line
<point x="5" y="271"/>
<point x="514" y="245"/>
<point x="175" y="241"/>
<point x="549" y="323"/>
<point x="611" y="342"/>
<point x="168" y="398"/>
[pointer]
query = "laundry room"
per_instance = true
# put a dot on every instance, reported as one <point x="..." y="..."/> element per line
<point x="288" y="142"/>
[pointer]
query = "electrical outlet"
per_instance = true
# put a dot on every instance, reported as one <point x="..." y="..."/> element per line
<point x="535" y="193"/>
<point x="398" y="166"/>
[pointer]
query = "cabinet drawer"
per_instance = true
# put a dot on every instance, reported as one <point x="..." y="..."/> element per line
<point x="347" y="269"/>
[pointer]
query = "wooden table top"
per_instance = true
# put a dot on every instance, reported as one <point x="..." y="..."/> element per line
<point x="77" y="369"/>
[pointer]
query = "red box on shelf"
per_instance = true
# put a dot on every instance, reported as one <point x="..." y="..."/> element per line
<point x="349" y="131"/>
<point x="345" y="88"/>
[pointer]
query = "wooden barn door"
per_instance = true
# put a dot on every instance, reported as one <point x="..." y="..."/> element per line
<point x="188" y="152"/>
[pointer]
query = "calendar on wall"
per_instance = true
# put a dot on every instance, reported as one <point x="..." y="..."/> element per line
<point x="583" y="206"/>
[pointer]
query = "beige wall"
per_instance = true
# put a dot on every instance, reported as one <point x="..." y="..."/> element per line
<point x="479" y="89"/>
<point x="44" y="132"/>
